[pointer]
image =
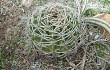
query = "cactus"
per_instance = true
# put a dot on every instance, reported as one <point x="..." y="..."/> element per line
<point x="53" y="28"/>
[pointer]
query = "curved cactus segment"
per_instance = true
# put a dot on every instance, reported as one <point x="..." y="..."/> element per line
<point x="98" y="21"/>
